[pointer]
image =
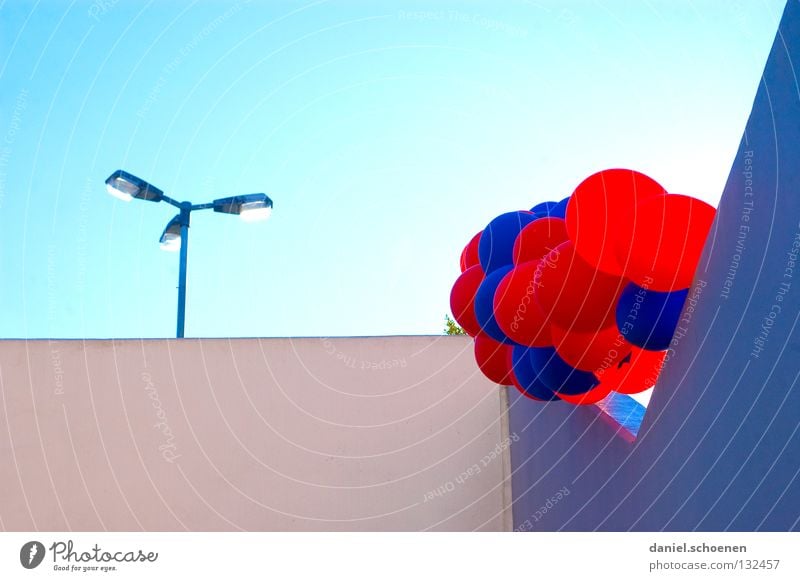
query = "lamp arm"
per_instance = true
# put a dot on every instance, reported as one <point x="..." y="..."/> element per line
<point x="182" y="205"/>
<point x="169" y="200"/>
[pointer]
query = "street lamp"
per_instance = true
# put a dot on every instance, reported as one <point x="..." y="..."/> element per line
<point x="249" y="207"/>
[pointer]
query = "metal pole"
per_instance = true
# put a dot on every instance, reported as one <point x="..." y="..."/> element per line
<point x="185" y="211"/>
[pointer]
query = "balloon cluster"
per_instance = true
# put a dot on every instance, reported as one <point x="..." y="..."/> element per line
<point x="574" y="299"/>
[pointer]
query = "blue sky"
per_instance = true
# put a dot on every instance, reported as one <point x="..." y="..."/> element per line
<point x="387" y="134"/>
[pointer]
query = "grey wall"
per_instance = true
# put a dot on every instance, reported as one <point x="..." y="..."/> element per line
<point x="719" y="448"/>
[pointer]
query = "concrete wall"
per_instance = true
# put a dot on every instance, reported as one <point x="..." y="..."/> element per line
<point x="253" y="434"/>
<point x="719" y="448"/>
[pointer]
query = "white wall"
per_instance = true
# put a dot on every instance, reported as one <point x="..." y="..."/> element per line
<point x="253" y="434"/>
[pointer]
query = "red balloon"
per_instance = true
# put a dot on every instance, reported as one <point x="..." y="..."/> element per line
<point x="572" y="294"/>
<point x="538" y="238"/>
<point x="469" y="256"/>
<point x="516" y="310"/>
<point x="494" y="359"/>
<point x="590" y="350"/>
<point x="669" y="233"/>
<point x="462" y="299"/>
<point x="634" y="373"/>
<point x="590" y="397"/>
<point x="598" y="215"/>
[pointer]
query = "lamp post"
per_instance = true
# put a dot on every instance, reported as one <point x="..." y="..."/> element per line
<point x="249" y="207"/>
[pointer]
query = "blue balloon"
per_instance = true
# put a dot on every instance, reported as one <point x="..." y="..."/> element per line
<point x="544" y="209"/>
<point x="648" y="318"/>
<point x="484" y="304"/>
<point x="527" y="377"/>
<point x="560" y="210"/>
<point x="496" y="247"/>
<point x="559" y="375"/>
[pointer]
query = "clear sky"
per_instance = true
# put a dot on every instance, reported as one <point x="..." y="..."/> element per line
<point x="386" y="133"/>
